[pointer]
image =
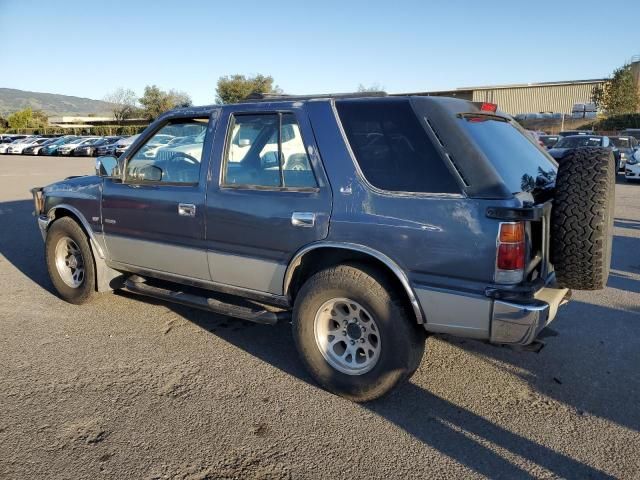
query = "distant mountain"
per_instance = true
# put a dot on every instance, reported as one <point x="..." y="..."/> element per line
<point x="12" y="100"/>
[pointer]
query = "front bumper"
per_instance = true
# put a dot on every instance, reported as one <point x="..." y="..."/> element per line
<point x="632" y="170"/>
<point x="517" y="323"/>
<point x="43" y="224"/>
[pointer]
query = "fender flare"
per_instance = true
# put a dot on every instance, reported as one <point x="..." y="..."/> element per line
<point x="107" y="279"/>
<point x="388" y="262"/>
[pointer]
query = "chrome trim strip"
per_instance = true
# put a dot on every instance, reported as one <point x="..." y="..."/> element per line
<point x="393" y="266"/>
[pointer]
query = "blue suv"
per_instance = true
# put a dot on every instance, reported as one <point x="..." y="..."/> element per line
<point x="368" y="221"/>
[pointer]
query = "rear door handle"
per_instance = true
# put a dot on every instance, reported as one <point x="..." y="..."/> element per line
<point x="186" y="209"/>
<point x="303" y="219"/>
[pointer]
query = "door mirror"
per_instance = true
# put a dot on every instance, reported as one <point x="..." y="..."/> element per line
<point x="107" y="166"/>
<point x="269" y="159"/>
<point x="150" y="173"/>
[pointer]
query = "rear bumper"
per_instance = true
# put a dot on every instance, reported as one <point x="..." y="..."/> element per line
<point x="512" y="320"/>
<point x="520" y="323"/>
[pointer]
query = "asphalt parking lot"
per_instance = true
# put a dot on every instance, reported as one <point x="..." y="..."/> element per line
<point x="126" y="387"/>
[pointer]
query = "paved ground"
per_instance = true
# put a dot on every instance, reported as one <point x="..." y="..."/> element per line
<point x="128" y="388"/>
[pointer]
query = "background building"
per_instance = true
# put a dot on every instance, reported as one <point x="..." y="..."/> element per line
<point x="555" y="97"/>
<point x="572" y="97"/>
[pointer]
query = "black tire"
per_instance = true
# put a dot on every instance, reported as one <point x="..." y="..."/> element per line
<point x="582" y="218"/>
<point x="62" y="229"/>
<point x="402" y="340"/>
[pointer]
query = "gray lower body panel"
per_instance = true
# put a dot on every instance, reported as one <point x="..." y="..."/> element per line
<point x="247" y="272"/>
<point x="480" y="317"/>
<point x="455" y="313"/>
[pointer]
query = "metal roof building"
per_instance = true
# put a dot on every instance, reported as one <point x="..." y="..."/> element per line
<point x="557" y="97"/>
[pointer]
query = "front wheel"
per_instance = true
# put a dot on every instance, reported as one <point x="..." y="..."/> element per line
<point x="70" y="261"/>
<point x="354" y="333"/>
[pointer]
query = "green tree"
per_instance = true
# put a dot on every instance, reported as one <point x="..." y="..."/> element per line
<point x="235" y="88"/>
<point x="619" y="94"/>
<point x="156" y="101"/>
<point x="27" y="118"/>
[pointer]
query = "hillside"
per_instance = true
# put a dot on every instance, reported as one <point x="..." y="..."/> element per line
<point x="12" y="100"/>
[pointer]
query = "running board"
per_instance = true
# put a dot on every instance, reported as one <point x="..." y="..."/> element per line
<point x="210" y="304"/>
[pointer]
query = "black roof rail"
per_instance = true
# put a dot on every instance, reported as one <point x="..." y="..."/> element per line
<point x="273" y="97"/>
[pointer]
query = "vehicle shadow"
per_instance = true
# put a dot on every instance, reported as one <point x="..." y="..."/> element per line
<point x="21" y="243"/>
<point x="438" y="423"/>
<point x="596" y="370"/>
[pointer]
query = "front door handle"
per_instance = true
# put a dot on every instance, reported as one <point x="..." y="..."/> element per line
<point x="186" y="209"/>
<point x="303" y="219"/>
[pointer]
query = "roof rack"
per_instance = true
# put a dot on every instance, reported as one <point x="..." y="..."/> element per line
<point x="272" y="97"/>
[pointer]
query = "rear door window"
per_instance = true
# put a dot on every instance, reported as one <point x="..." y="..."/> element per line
<point x="392" y="148"/>
<point x="521" y="164"/>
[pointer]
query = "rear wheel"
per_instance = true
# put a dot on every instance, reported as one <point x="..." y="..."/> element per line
<point x="582" y="218"/>
<point x="354" y="334"/>
<point x="70" y="261"/>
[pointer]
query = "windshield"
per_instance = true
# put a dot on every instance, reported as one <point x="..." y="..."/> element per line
<point x="620" y="142"/>
<point x="523" y="166"/>
<point x="548" y="141"/>
<point x="579" y="141"/>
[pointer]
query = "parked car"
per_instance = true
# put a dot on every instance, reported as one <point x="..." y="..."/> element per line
<point x="387" y="218"/>
<point x="632" y="167"/>
<point x="626" y="146"/>
<point x="122" y="144"/>
<point x="10" y="138"/>
<point x="17" y="147"/>
<point x="28" y="150"/>
<point x="88" y="149"/>
<point x="548" y="141"/>
<point x="570" y="133"/>
<point x="68" y="148"/>
<point x="4" y="147"/>
<point x="566" y="144"/>
<point x="52" y="148"/>
<point x="107" y="147"/>
<point x="631" y="132"/>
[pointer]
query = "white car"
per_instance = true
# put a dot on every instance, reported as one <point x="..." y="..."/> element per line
<point x="17" y="147"/>
<point x="67" y="148"/>
<point x="632" y="167"/>
<point x="123" y="144"/>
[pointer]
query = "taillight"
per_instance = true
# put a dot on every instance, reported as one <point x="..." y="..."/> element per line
<point x="488" y="107"/>
<point x="511" y="252"/>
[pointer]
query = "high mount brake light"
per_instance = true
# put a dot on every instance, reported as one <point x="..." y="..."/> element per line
<point x="510" y="253"/>
<point x="488" y="107"/>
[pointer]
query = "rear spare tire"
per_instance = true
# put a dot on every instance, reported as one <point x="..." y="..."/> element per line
<point x="582" y="218"/>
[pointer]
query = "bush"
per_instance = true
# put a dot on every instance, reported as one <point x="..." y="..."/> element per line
<point x="616" y="122"/>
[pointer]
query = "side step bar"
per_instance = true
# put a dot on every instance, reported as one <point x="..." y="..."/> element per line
<point x="256" y="314"/>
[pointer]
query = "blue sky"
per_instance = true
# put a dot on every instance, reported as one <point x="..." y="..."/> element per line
<point x="88" y="48"/>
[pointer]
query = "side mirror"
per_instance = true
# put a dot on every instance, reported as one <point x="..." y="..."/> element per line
<point x="107" y="166"/>
<point x="150" y="173"/>
<point x="269" y="159"/>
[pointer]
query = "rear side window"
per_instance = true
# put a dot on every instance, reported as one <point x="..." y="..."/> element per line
<point x="522" y="165"/>
<point x="392" y="148"/>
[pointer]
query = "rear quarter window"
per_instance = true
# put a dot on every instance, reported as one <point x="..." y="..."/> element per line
<point x="521" y="164"/>
<point x="392" y="148"/>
